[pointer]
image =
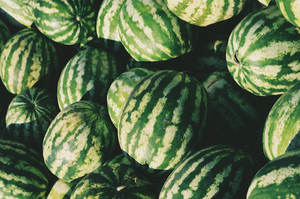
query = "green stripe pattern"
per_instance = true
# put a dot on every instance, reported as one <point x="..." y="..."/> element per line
<point x="279" y="178"/>
<point x="23" y="173"/>
<point x="107" y="25"/>
<point x="108" y="18"/>
<point x="150" y="32"/>
<point x="263" y="53"/>
<point x="66" y="21"/>
<point x="121" y="88"/>
<point x="290" y="10"/>
<point x="61" y="190"/>
<point x="27" y="58"/>
<point x="205" y="12"/>
<point x="218" y="171"/>
<point x="79" y="140"/>
<point x="281" y="132"/>
<point x="114" y="181"/>
<point x="20" y="10"/>
<point x="87" y="76"/>
<point x="163" y="119"/>
<point x="29" y="114"/>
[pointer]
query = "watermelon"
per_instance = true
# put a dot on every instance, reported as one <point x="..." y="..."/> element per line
<point x="263" y="53"/>
<point x="290" y="10"/>
<point x="205" y="12"/>
<point x="29" y="115"/>
<point x="163" y="119"/>
<point x="20" y="10"/>
<point x="120" y="89"/>
<point x="23" y="173"/>
<point x="87" y="76"/>
<point x="282" y="127"/>
<point x="79" y="140"/>
<point x="210" y="56"/>
<point x="114" y="181"/>
<point x="107" y="27"/>
<point x="28" y="59"/>
<point x="237" y="115"/>
<point x="279" y="178"/>
<point x="218" y="171"/>
<point x="61" y="190"/>
<point x="150" y="32"/>
<point x="66" y="22"/>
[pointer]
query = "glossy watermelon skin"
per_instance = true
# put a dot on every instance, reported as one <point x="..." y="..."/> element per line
<point x="281" y="131"/>
<point x="66" y="22"/>
<point x="79" y="140"/>
<point x="163" y="119"/>
<point x="114" y="181"/>
<point x="28" y="59"/>
<point x="279" y="178"/>
<point x="29" y="114"/>
<point x="23" y="172"/>
<point x="121" y="88"/>
<point x="218" y="171"/>
<point x="150" y="32"/>
<point x="262" y="53"/>
<point x="205" y="12"/>
<point x="87" y="76"/>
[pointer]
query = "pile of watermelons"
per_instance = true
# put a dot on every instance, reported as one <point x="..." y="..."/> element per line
<point x="150" y="99"/>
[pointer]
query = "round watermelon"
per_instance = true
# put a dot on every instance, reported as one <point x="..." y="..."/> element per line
<point x="163" y="119"/>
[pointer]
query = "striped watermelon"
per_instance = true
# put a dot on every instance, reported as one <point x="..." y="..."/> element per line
<point x="79" y="140"/>
<point x="163" y="119"/>
<point x="290" y="10"/>
<point x="87" y="76"/>
<point x="66" y="22"/>
<point x="28" y="58"/>
<point x="205" y="12"/>
<point x="61" y="190"/>
<point x="218" y="171"/>
<point x="263" y="53"/>
<point x="121" y="88"/>
<point x="282" y="127"/>
<point x="107" y="26"/>
<point x="279" y="178"/>
<point x="150" y="32"/>
<point x="23" y="173"/>
<point x="20" y="10"/>
<point x="114" y="181"/>
<point x="29" y="114"/>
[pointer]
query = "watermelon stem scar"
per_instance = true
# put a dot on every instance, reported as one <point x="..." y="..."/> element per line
<point x="235" y="59"/>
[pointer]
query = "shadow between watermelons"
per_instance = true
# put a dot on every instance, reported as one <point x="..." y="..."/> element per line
<point x="155" y="176"/>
